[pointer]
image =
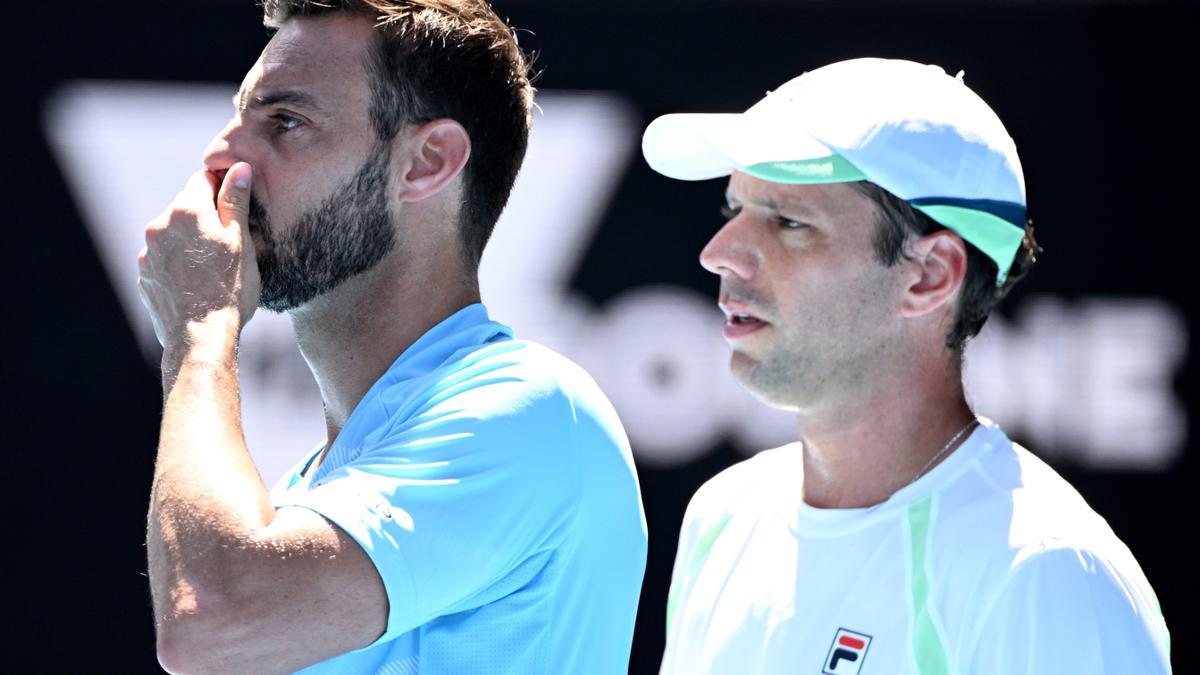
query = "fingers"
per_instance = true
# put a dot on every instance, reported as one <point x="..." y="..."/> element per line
<point x="233" y="199"/>
<point x="199" y="256"/>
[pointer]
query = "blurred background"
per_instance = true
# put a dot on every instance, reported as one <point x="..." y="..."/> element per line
<point x="1089" y="364"/>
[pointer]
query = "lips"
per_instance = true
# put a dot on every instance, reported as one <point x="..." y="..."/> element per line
<point x="740" y="320"/>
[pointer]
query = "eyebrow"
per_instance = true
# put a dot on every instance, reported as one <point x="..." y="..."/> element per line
<point x="243" y="102"/>
<point x="793" y="206"/>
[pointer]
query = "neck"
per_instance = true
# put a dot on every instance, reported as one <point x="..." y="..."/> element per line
<point x="859" y="452"/>
<point x="351" y="335"/>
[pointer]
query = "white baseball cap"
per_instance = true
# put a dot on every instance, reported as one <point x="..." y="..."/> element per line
<point x="909" y="128"/>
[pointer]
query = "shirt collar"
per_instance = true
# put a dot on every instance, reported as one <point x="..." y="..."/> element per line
<point x="469" y="327"/>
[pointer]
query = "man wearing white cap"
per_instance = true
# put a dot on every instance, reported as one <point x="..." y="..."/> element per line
<point x="876" y="215"/>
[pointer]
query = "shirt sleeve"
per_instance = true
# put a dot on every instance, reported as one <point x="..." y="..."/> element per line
<point x="687" y="537"/>
<point x="674" y="597"/>
<point x="699" y="532"/>
<point x="479" y="486"/>
<point x="1070" y="611"/>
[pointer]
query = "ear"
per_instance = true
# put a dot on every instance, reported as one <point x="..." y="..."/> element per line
<point x="938" y="266"/>
<point x="435" y="155"/>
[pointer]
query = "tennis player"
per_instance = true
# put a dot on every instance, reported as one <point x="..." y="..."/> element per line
<point x="876" y="215"/>
<point x="474" y="508"/>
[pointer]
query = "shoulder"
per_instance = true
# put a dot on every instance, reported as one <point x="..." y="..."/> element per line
<point x="1060" y="547"/>
<point x="509" y="401"/>
<point x="1010" y="502"/>
<point x="1072" y="609"/>
<point x="750" y="479"/>
<point x="1017" y="543"/>
<point x="1046" y="511"/>
<point x="510" y="380"/>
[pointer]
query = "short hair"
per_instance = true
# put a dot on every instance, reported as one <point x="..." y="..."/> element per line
<point x="899" y="224"/>
<point x="446" y="59"/>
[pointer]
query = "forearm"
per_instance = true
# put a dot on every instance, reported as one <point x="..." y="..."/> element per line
<point x="208" y="499"/>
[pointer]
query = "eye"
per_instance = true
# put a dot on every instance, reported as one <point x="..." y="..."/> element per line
<point x="285" y="123"/>
<point x="788" y="224"/>
<point x="729" y="212"/>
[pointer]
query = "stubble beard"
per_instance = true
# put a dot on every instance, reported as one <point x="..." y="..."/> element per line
<point x="808" y="371"/>
<point x="347" y="234"/>
<point x="777" y="378"/>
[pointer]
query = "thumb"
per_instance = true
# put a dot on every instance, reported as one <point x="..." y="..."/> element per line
<point x="233" y="199"/>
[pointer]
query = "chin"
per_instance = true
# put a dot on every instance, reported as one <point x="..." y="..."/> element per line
<point x="770" y="385"/>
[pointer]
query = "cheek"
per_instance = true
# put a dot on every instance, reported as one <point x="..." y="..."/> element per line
<point x="838" y="303"/>
<point x="285" y="201"/>
<point x="816" y="308"/>
<point x="292" y="188"/>
<point x="867" y="309"/>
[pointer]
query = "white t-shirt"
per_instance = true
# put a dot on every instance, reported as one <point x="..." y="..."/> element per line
<point x="990" y="563"/>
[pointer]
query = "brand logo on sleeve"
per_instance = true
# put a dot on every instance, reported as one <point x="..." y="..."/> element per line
<point x="847" y="653"/>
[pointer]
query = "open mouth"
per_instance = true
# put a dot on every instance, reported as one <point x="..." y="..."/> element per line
<point x="744" y="320"/>
<point x="738" y="322"/>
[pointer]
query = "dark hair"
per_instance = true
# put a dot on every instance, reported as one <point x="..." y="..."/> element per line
<point x="899" y="223"/>
<point x="446" y="59"/>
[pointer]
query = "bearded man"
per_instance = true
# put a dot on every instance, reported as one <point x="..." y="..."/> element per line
<point x="474" y="507"/>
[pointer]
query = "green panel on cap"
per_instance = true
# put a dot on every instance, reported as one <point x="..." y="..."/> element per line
<point x="831" y="169"/>
<point x="996" y="237"/>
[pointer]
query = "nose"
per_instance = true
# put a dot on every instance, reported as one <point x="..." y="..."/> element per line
<point x="730" y="251"/>
<point x="223" y="151"/>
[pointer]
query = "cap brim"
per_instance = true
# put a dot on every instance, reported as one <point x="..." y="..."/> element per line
<point x="699" y="146"/>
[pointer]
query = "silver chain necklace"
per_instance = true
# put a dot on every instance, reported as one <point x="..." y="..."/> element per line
<point x="945" y="447"/>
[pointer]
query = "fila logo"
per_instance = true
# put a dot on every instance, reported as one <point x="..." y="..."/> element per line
<point x="847" y="653"/>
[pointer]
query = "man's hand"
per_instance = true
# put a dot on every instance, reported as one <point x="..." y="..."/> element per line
<point x="199" y="260"/>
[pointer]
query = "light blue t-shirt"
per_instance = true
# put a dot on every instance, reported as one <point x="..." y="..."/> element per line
<point x="492" y="485"/>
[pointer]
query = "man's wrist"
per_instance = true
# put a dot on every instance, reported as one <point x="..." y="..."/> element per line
<point x="212" y="340"/>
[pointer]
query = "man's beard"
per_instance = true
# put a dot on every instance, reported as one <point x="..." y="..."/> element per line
<point x="345" y="235"/>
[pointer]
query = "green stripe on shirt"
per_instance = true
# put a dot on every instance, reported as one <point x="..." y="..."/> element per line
<point x="703" y="545"/>
<point x="928" y="648"/>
